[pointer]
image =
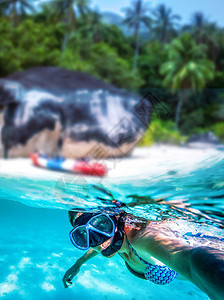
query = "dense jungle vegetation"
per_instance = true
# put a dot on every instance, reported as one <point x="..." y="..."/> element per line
<point x="181" y="64"/>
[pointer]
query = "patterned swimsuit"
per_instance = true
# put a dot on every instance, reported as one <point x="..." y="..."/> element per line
<point x="156" y="273"/>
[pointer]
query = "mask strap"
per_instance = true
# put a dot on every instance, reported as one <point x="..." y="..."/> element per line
<point x="118" y="238"/>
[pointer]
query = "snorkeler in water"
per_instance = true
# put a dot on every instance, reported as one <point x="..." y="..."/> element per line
<point x="148" y="251"/>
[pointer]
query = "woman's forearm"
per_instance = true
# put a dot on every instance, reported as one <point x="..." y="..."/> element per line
<point x="88" y="255"/>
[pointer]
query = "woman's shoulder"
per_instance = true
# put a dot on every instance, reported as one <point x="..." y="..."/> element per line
<point x="134" y="230"/>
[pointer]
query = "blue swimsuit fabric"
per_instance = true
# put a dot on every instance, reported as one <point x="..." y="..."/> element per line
<point x="156" y="273"/>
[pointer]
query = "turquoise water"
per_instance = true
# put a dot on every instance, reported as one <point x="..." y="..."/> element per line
<point x="36" y="251"/>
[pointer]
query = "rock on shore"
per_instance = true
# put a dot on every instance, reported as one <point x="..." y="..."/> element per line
<point x="69" y="113"/>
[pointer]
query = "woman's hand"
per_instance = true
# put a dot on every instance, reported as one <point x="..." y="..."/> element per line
<point x="74" y="270"/>
<point x="70" y="274"/>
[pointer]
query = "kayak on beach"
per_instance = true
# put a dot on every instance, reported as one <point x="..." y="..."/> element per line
<point x="83" y="166"/>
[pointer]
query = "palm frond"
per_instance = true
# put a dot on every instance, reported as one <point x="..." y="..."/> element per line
<point x="187" y="64"/>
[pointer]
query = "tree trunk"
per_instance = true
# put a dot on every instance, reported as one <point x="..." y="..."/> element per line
<point x="14" y="15"/>
<point x="65" y="41"/>
<point x="178" y="109"/>
<point x="137" y="47"/>
<point x="69" y="21"/>
<point x="163" y="33"/>
<point x="137" y="27"/>
<point x="136" y="54"/>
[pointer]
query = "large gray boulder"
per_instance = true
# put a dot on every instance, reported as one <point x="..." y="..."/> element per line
<point x="203" y="140"/>
<point x="69" y="113"/>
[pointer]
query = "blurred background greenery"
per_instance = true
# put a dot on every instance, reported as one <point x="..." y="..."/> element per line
<point x="149" y="48"/>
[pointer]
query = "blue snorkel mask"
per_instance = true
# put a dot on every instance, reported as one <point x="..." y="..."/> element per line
<point x="91" y="230"/>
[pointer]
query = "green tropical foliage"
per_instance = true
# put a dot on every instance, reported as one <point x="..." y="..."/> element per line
<point x="218" y="130"/>
<point x="39" y="46"/>
<point x="94" y="27"/>
<point x="66" y="9"/>
<point x="187" y="68"/>
<point x="162" y="132"/>
<point x="116" y="70"/>
<point x="181" y="65"/>
<point x="150" y="60"/>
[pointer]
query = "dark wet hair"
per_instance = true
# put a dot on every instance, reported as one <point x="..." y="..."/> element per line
<point x="79" y="220"/>
<point x="72" y="215"/>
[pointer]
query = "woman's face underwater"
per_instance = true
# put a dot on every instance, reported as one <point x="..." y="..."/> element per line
<point x="97" y="241"/>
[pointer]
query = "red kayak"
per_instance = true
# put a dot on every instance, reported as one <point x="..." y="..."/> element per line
<point x="81" y="166"/>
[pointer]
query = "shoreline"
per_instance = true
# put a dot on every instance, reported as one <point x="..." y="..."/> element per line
<point x="153" y="160"/>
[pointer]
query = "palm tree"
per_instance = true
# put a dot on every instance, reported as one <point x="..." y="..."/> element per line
<point x="206" y="33"/>
<point x="15" y="8"/>
<point x="95" y="27"/>
<point x="67" y="9"/>
<point x="187" y="68"/>
<point x="83" y="7"/>
<point x="164" y="23"/>
<point x="197" y="27"/>
<point x="135" y="16"/>
<point x="44" y="15"/>
<point x="214" y="38"/>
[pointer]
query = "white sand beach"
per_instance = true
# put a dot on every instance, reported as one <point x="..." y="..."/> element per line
<point x="153" y="160"/>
